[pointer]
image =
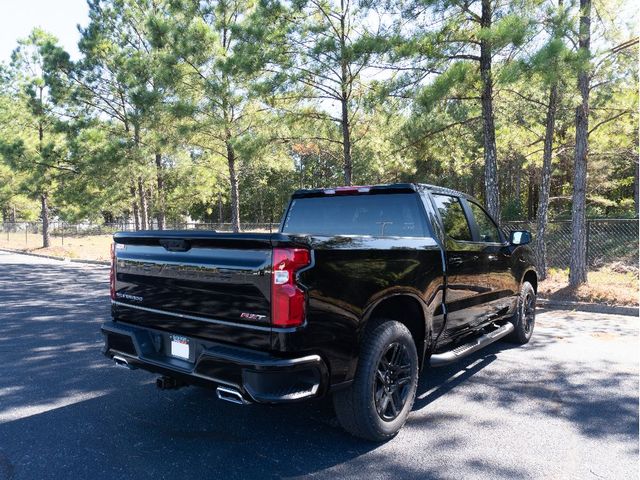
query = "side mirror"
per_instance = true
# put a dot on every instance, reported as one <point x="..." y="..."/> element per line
<point x="520" y="237"/>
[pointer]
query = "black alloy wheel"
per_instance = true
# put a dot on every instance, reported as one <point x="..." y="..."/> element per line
<point x="393" y="381"/>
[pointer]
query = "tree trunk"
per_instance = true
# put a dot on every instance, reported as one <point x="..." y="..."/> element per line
<point x="148" y="196"/>
<point x="344" y="100"/>
<point x="144" y="210"/>
<point x="233" y="179"/>
<point x="346" y="144"/>
<point x="44" y="209"/>
<point x="636" y="186"/>
<point x="518" y="181"/>
<point x="220" y="214"/>
<point x="134" y="205"/>
<point x="160" y="215"/>
<point x="492" y="194"/>
<point x="261" y="210"/>
<point x="545" y="186"/>
<point x="578" y="263"/>
<point x="44" y="214"/>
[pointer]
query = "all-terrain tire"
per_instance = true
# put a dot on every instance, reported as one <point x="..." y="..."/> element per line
<point x="358" y="407"/>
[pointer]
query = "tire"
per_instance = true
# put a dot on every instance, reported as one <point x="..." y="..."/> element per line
<point x="524" y="319"/>
<point x="386" y="376"/>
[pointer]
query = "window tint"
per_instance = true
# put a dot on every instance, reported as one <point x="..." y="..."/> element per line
<point x="486" y="228"/>
<point x="453" y="217"/>
<point x="380" y="215"/>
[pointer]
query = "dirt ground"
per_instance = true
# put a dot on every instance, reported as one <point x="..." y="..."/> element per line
<point x="91" y="247"/>
<point x="612" y="285"/>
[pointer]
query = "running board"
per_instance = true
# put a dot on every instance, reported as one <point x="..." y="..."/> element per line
<point x="442" y="359"/>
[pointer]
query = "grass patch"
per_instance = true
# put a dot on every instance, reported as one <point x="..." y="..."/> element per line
<point x="613" y="284"/>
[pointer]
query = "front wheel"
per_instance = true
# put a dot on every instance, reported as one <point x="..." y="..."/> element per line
<point x="525" y="318"/>
<point x="379" y="400"/>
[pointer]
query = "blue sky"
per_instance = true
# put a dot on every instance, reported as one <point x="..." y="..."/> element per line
<point x="59" y="17"/>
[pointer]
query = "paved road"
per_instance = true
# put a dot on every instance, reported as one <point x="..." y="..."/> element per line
<point x="564" y="406"/>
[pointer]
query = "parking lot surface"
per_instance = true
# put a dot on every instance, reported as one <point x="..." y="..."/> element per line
<point x="563" y="406"/>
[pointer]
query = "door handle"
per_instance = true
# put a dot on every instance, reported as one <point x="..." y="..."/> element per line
<point x="455" y="261"/>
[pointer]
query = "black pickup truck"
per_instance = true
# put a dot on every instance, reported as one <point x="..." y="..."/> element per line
<point x="359" y="290"/>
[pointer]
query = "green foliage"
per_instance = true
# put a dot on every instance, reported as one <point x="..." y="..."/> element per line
<point x="457" y="74"/>
<point x="262" y="85"/>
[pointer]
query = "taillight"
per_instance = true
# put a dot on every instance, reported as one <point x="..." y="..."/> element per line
<point x="287" y="299"/>
<point x="112" y="272"/>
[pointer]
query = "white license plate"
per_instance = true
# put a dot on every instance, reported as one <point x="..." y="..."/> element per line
<point x="179" y="347"/>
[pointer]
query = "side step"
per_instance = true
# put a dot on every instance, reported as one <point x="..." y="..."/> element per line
<point x="442" y="359"/>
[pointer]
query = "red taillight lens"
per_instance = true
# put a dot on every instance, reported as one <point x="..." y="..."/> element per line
<point x="112" y="272"/>
<point x="287" y="299"/>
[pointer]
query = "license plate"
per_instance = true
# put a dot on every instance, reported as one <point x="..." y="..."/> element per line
<point x="179" y="347"/>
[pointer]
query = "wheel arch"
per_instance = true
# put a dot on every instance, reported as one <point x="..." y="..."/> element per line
<point x="531" y="276"/>
<point x="407" y="309"/>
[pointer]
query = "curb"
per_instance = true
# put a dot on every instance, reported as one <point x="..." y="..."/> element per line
<point x="53" y="257"/>
<point x="588" y="307"/>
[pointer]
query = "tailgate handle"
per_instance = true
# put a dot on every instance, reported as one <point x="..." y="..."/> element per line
<point x="175" y="244"/>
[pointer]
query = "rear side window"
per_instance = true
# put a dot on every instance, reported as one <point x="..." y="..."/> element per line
<point x="455" y="221"/>
<point x="382" y="215"/>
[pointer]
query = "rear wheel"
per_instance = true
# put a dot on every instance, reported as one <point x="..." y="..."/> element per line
<point x="379" y="400"/>
<point x="525" y="318"/>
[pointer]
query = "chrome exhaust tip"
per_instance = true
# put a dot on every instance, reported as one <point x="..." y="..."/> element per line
<point x="121" y="361"/>
<point x="231" y="395"/>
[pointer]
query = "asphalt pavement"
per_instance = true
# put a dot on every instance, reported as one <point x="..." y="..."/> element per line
<point x="563" y="406"/>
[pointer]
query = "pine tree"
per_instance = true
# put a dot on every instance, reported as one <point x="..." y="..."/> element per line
<point x="329" y="46"/>
<point x="578" y="264"/>
<point x="38" y="149"/>
<point x="551" y="64"/>
<point x="461" y="42"/>
<point x="216" y="63"/>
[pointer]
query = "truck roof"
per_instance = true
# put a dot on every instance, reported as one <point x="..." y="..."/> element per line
<point x="373" y="189"/>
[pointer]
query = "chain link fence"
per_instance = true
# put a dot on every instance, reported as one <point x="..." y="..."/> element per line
<point x="63" y="229"/>
<point x="92" y="241"/>
<point x="608" y="241"/>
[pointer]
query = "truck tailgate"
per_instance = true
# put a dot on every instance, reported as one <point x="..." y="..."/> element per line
<point x="210" y="285"/>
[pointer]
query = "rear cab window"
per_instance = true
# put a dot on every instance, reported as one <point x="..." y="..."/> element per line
<point x="376" y="215"/>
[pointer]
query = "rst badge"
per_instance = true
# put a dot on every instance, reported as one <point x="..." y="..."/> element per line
<point x="252" y="316"/>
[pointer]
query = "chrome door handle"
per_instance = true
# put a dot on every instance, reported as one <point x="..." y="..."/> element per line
<point x="456" y="261"/>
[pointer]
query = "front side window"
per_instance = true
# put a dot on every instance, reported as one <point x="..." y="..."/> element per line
<point x="453" y="217"/>
<point x="486" y="227"/>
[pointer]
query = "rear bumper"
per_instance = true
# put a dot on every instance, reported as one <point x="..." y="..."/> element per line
<point x="258" y="376"/>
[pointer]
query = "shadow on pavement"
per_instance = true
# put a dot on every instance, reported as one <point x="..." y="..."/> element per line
<point x="66" y="412"/>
